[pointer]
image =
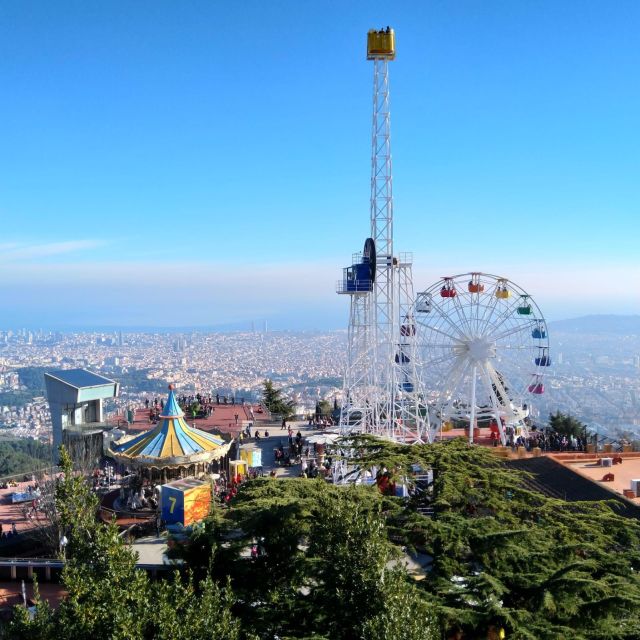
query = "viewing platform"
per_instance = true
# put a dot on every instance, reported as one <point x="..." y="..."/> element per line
<point x="222" y="418"/>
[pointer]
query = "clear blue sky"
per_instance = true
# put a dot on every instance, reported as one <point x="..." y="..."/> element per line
<point x="217" y="155"/>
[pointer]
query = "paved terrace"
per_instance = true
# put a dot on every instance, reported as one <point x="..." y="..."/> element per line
<point x="590" y="466"/>
<point x="223" y="419"/>
<point x="11" y="593"/>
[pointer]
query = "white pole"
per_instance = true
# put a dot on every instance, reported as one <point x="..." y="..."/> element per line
<point x="472" y="417"/>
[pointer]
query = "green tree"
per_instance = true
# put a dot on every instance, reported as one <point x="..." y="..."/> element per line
<point x="505" y="557"/>
<point x="107" y="596"/>
<point x="182" y="611"/>
<point x="298" y="529"/>
<point x="351" y="559"/>
<point x="76" y="507"/>
<point x="274" y="400"/>
<point x="23" y="455"/>
<point x="567" y="425"/>
<point x="23" y="626"/>
<point x="326" y="407"/>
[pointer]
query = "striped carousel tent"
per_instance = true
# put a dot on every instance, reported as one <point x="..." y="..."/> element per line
<point x="171" y="444"/>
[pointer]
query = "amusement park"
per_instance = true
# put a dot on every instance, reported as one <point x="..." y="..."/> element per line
<point x="470" y="351"/>
<point x="433" y="501"/>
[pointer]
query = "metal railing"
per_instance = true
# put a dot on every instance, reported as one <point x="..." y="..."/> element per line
<point x="353" y="286"/>
<point x="49" y="564"/>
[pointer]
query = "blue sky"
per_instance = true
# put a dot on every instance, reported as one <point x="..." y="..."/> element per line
<point x="217" y="155"/>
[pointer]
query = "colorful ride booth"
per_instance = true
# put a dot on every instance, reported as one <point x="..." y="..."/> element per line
<point x="184" y="502"/>
<point x="170" y="451"/>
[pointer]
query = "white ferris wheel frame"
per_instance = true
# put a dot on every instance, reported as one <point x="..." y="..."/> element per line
<point x="479" y="356"/>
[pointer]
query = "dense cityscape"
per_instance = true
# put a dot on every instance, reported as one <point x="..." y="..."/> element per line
<point x="595" y="376"/>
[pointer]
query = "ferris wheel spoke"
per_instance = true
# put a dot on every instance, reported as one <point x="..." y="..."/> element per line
<point x="481" y="311"/>
<point x="487" y="314"/>
<point x="496" y="405"/>
<point x="478" y="304"/>
<point x="514" y="364"/>
<point x="488" y="308"/>
<point x="513" y="330"/>
<point x="495" y="387"/>
<point x="439" y="360"/>
<point x="455" y="379"/>
<point x="448" y="320"/>
<point x="460" y="312"/>
<point x="444" y="333"/>
<point x="506" y="314"/>
<point x="519" y="368"/>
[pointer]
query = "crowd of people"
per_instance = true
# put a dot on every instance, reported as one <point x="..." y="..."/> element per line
<point x="321" y="422"/>
<point x="9" y="533"/>
<point x="546" y="440"/>
<point x="135" y="499"/>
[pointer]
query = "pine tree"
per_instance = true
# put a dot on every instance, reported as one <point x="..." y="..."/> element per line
<point x="274" y="400"/>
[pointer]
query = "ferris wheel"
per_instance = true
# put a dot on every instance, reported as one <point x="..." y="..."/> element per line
<point x="483" y="349"/>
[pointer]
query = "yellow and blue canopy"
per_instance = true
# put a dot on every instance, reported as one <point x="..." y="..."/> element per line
<point x="171" y="441"/>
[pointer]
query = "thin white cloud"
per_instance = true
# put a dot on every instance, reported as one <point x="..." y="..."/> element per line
<point x="17" y="252"/>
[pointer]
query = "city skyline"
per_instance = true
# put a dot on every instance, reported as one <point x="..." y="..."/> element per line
<point x="221" y="155"/>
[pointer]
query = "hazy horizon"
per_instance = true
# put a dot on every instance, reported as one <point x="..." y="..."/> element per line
<point x="257" y="326"/>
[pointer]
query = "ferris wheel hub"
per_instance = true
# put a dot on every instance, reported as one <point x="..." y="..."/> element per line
<point x="480" y="349"/>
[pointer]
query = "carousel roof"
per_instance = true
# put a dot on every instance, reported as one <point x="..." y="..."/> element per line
<point x="172" y="441"/>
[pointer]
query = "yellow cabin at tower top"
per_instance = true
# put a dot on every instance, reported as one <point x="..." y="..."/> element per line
<point x="381" y="45"/>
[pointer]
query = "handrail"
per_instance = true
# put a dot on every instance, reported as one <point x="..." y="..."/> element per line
<point x="133" y="515"/>
<point x="35" y="472"/>
<point x="31" y="562"/>
<point x="59" y="564"/>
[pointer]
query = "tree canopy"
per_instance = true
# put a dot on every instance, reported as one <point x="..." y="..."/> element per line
<point x="301" y="558"/>
<point x="505" y="557"/>
<point x="23" y="455"/>
<point x="107" y="597"/>
<point x="567" y="425"/>
<point x="275" y="401"/>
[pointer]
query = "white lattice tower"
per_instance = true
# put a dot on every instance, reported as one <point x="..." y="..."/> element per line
<point x="356" y="412"/>
<point x="412" y="421"/>
<point x="381" y="393"/>
<point x="383" y="308"/>
<point x="398" y="409"/>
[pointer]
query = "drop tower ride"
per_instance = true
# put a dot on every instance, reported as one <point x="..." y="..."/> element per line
<point x="381" y="391"/>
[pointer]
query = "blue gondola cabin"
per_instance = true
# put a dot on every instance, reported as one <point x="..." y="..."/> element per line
<point x="543" y="360"/>
<point x="357" y="278"/>
<point x="539" y="333"/>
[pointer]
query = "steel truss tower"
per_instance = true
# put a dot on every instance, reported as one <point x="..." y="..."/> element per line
<point x="357" y="410"/>
<point x="382" y="398"/>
